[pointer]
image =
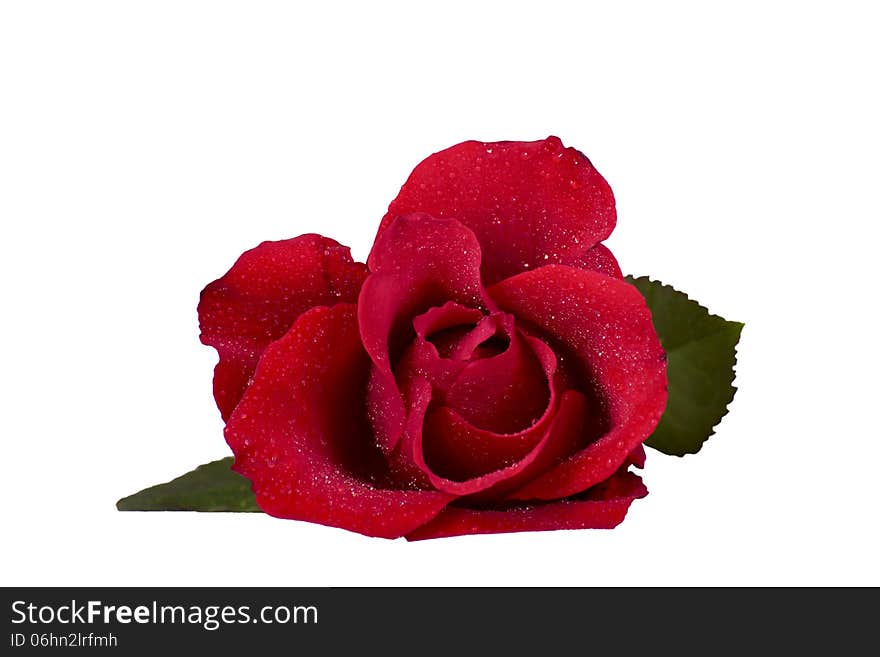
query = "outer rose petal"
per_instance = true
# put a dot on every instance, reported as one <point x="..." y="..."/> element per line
<point x="606" y="325"/>
<point x="529" y="203"/>
<point x="300" y="434"/>
<point x="603" y="508"/>
<point x="257" y="300"/>
<point x="418" y="263"/>
<point x="599" y="259"/>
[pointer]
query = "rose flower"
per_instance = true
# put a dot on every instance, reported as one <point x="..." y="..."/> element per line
<point x="488" y="369"/>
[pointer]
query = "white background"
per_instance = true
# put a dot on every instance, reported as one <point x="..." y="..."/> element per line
<point x="144" y="145"/>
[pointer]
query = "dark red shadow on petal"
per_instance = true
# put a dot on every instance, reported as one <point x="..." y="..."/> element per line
<point x="529" y="203"/>
<point x="300" y="434"/>
<point x="261" y="296"/>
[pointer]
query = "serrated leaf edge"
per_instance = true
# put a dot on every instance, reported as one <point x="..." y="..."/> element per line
<point x="740" y="326"/>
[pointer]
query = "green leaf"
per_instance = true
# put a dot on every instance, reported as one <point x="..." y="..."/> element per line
<point x="701" y="348"/>
<point x="210" y="487"/>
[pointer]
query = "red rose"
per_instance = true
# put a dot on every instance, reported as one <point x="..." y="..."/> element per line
<point x="487" y="371"/>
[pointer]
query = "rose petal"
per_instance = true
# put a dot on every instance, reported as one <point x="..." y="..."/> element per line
<point x="606" y="326"/>
<point x="440" y="449"/>
<point x="529" y="203"/>
<point x="472" y="344"/>
<point x="444" y="326"/>
<point x="300" y="434"/>
<point x="419" y="262"/>
<point x="445" y="317"/>
<point x="599" y="259"/>
<point x="453" y="448"/>
<point x="636" y="457"/>
<point x="474" y="461"/>
<point x="422" y="368"/>
<point x="457" y="450"/>
<point x="603" y="508"/>
<point x="466" y="460"/>
<point x="505" y="393"/>
<point x="549" y="438"/>
<point x="258" y="300"/>
<point x="423" y="362"/>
